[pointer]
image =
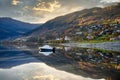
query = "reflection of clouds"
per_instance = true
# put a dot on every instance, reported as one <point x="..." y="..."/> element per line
<point x="38" y="71"/>
<point x="50" y="77"/>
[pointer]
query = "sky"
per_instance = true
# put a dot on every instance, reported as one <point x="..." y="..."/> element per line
<point x="40" y="11"/>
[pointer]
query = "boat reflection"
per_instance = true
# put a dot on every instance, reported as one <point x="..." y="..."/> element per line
<point x="45" y="53"/>
<point x="46" y="50"/>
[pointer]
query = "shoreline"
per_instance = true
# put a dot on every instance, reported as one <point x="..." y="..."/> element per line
<point x="114" y="46"/>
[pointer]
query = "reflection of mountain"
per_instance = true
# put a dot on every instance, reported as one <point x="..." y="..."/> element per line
<point x="86" y="65"/>
<point x="10" y="57"/>
<point x="69" y="61"/>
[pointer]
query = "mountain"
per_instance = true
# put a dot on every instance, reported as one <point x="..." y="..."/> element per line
<point x="76" y="22"/>
<point x="10" y="28"/>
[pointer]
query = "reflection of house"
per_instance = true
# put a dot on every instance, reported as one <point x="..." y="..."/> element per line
<point x="67" y="48"/>
<point x="67" y="38"/>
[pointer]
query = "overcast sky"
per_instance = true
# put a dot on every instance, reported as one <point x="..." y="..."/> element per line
<point x="40" y="11"/>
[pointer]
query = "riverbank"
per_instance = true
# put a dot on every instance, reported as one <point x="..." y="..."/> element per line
<point x="114" y="46"/>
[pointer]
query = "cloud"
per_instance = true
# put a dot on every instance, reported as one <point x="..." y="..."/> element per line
<point x="47" y="6"/>
<point x="40" y="11"/>
<point x="15" y="2"/>
<point x="109" y="1"/>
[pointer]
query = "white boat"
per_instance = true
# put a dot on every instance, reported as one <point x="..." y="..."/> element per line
<point x="47" y="48"/>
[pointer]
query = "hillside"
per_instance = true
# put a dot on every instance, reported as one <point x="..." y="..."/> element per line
<point x="70" y="24"/>
<point x="10" y="28"/>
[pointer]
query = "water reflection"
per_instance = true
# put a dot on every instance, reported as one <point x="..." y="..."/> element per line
<point x="38" y="71"/>
<point x="75" y="63"/>
<point x="45" y="53"/>
<point x="97" y="62"/>
<point x="10" y="57"/>
<point x="94" y="55"/>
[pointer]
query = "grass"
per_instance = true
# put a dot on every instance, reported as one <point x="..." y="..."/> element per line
<point x="97" y="41"/>
<point x="103" y="50"/>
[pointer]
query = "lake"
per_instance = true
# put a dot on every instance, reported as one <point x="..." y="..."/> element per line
<point x="23" y="62"/>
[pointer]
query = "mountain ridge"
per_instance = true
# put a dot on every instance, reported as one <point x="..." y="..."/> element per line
<point x="10" y="28"/>
<point x="95" y="23"/>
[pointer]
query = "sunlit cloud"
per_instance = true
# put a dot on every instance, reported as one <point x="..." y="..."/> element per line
<point x="40" y="11"/>
<point x="109" y="1"/>
<point x="47" y="6"/>
<point x="59" y="12"/>
<point x="15" y="2"/>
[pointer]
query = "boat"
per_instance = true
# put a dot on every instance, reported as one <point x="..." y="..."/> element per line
<point x="47" y="48"/>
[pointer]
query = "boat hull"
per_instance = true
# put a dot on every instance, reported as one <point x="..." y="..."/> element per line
<point x="46" y="50"/>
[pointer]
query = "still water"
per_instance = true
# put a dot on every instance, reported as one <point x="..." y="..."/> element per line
<point x="67" y="63"/>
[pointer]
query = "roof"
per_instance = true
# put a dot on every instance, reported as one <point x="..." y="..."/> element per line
<point x="46" y="47"/>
